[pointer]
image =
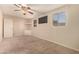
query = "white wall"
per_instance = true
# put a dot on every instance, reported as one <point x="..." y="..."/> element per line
<point x="19" y="26"/>
<point x="13" y="26"/>
<point x="68" y="35"/>
<point x="1" y="23"/>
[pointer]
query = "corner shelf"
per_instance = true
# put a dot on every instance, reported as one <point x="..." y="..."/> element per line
<point x="28" y="27"/>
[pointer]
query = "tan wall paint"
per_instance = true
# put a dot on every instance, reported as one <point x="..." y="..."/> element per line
<point x="68" y="35"/>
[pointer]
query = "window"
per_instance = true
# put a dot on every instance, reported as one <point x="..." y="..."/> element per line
<point x="43" y="20"/>
<point x="59" y="19"/>
<point x="35" y="23"/>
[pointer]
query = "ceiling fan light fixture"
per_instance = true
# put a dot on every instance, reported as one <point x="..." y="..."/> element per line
<point x="24" y="13"/>
<point x="24" y="8"/>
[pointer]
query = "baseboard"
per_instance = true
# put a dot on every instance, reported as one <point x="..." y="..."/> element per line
<point x="65" y="46"/>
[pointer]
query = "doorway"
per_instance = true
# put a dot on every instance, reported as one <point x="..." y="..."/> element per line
<point x="7" y="28"/>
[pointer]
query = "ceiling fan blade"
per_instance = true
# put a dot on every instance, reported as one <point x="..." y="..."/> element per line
<point x="20" y="5"/>
<point x="35" y="10"/>
<point x="28" y="8"/>
<point x="16" y="5"/>
<point x="16" y="10"/>
<point x="30" y="12"/>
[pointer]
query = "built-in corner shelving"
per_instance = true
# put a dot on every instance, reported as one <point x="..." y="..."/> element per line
<point x="28" y="27"/>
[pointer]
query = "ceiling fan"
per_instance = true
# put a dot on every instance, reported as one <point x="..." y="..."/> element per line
<point x="24" y="9"/>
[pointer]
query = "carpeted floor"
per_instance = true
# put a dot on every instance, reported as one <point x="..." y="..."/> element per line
<point x="32" y="45"/>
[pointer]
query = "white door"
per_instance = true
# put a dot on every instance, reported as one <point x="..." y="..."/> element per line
<point x="8" y="28"/>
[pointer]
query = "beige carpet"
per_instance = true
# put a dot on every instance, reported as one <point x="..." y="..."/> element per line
<point x="31" y="45"/>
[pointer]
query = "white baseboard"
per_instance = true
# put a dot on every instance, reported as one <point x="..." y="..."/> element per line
<point x="65" y="46"/>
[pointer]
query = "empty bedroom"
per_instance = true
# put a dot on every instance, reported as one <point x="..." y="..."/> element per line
<point x="39" y="28"/>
